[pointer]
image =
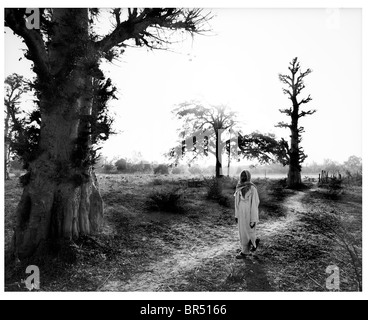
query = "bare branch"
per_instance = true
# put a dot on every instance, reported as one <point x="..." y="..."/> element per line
<point x="305" y="100"/>
<point x="286" y="111"/>
<point x="135" y="27"/>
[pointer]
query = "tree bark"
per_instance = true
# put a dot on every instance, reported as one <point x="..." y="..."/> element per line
<point x="218" y="155"/>
<point x="6" y="146"/>
<point x="61" y="200"/>
<point x="294" y="174"/>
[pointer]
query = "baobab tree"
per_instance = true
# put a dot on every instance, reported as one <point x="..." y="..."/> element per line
<point x="295" y="155"/>
<point x="61" y="199"/>
<point x="212" y="120"/>
<point x="212" y="123"/>
<point x="15" y="87"/>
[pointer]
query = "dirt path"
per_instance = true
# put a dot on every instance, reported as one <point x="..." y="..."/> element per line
<point x="185" y="262"/>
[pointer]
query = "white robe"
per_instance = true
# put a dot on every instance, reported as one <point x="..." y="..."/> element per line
<point x="246" y="210"/>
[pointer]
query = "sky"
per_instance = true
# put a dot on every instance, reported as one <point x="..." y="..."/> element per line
<point x="237" y="64"/>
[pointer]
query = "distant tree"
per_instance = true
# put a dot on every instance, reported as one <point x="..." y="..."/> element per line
<point x="295" y="155"/>
<point x="354" y="165"/>
<point x="121" y="165"/>
<point x="211" y="119"/>
<point x="332" y="167"/>
<point x="265" y="148"/>
<point x="15" y="87"/>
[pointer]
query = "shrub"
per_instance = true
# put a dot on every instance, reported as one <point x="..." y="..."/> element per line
<point x="108" y="168"/>
<point x="121" y="165"/>
<point x="195" y="170"/>
<point x="166" y="200"/>
<point x="177" y="170"/>
<point x="214" y="188"/>
<point x="157" y="182"/>
<point x="161" y="169"/>
<point x="230" y="183"/>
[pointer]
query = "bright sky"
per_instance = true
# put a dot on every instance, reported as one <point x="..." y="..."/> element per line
<point x="238" y="65"/>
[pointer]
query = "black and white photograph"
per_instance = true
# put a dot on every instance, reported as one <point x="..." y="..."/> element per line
<point x="178" y="150"/>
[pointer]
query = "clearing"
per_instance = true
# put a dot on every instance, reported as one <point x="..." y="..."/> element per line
<point x="141" y="249"/>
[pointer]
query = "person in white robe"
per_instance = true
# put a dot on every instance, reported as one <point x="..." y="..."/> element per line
<point x="246" y="213"/>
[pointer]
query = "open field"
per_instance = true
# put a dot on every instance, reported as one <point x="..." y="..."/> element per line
<point x="144" y="247"/>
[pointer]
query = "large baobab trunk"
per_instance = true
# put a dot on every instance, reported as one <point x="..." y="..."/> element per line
<point x="58" y="201"/>
<point x="61" y="198"/>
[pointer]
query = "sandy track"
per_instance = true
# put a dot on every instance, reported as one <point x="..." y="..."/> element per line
<point x="157" y="274"/>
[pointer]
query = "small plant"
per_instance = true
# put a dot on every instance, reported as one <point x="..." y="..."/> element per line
<point x="157" y="182"/>
<point x="214" y="191"/>
<point x="166" y="200"/>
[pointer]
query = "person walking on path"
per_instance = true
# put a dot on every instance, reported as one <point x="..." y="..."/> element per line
<point x="246" y="213"/>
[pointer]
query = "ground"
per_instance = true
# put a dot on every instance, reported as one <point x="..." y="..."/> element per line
<point x="143" y="248"/>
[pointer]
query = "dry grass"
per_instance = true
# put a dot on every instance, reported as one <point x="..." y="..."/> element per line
<point x="145" y="250"/>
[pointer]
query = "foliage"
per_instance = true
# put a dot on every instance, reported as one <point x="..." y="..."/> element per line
<point x="214" y="188"/>
<point x="108" y="168"/>
<point x="353" y="166"/>
<point x="263" y="147"/>
<point x="157" y="182"/>
<point x="179" y="170"/>
<point x="21" y="131"/>
<point x="195" y="170"/>
<point x="197" y="121"/>
<point x="167" y="200"/>
<point x="161" y="169"/>
<point x="121" y="165"/>
<point x="83" y="50"/>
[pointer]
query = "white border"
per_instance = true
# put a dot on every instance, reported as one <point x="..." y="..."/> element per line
<point x="202" y="295"/>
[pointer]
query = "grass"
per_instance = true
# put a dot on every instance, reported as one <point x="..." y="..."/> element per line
<point x="271" y="195"/>
<point x="144" y="248"/>
<point x="167" y="200"/>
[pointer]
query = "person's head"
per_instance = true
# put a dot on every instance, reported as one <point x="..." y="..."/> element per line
<point x="245" y="176"/>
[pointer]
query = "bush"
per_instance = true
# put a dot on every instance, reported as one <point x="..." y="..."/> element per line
<point x="108" y="168"/>
<point x="121" y="165"/>
<point x="157" y="182"/>
<point x="195" y="170"/>
<point x="166" y="200"/>
<point x="214" y="188"/>
<point x="214" y="191"/>
<point x="179" y="170"/>
<point x="161" y="169"/>
<point x="230" y="183"/>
